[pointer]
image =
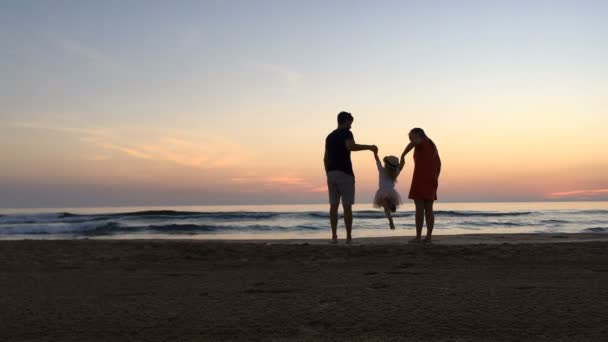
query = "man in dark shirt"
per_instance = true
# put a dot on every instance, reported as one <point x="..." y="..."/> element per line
<point x="340" y="175"/>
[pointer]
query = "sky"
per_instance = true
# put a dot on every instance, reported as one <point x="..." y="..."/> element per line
<point x="229" y="102"/>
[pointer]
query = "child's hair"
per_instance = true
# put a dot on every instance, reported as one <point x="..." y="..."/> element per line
<point x="391" y="171"/>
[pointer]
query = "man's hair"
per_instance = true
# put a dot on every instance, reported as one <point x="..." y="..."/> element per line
<point x="343" y="117"/>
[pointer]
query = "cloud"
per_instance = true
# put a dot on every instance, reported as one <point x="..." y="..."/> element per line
<point x="285" y="77"/>
<point x="289" y="77"/>
<point x="79" y="49"/>
<point x="207" y="151"/>
<point x="580" y="194"/>
<point x="97" y="157"/>
<point x="281" y="182"/>
<point x="287" y="181"/>
<point x="84" y="51"/>
<point x="210" y="152"/>
<point x="58" y="128"/>
<point x="126" y="150"/>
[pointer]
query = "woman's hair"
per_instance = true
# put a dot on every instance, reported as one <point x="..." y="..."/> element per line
<point x="421" y="132"/>
<point x="391" y="172"/>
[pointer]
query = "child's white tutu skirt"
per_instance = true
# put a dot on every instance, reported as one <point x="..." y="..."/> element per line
<point x="387" y="195"/>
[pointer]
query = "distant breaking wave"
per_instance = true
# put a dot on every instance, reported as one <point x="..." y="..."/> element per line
<point x="596" y="230"/>
<point x="231" y="215"/>
<point x="192" y="214"/>
<point x="175" y="222"/>
<point x="481" y="213"/>
<point x="592" y="212"/>
<point x="111" y="228"/>
<point x="266" y="215"/>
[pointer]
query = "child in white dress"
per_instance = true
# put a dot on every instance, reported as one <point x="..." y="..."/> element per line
<point x="386" y="196"/>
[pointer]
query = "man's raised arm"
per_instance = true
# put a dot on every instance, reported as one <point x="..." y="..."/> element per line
<point x="353" y="147"/>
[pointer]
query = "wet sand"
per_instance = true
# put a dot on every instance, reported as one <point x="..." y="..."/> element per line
<point x="462" y="288"/>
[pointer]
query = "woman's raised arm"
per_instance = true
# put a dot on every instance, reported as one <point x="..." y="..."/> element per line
<point x="407" y="150"/>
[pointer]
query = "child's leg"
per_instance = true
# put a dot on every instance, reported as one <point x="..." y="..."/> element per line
<point x="387" y="211"/>
<point x="430" y="219"/>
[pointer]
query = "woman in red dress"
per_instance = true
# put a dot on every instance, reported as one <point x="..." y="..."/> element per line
<point x="424" y="181"/>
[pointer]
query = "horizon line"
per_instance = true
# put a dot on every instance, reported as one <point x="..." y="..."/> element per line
<point x="288" y="204"/>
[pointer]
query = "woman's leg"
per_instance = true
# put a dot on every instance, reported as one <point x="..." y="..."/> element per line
<point x="419" y="218"/>
<point x="430" y="218"/>
<point x="387" y="211"/>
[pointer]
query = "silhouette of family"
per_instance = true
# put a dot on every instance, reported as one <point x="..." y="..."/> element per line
<point x="341" y="179"/>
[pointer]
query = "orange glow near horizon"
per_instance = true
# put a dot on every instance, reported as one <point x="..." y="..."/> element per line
<point x="504" y="167"/>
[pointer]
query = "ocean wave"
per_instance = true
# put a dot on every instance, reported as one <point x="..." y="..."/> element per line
<point x="54" y="228"/>
<point x="171" y="215"/>
<point x="554" y="221"/>
<point x="591" y="212"/>
<point x="481" y="213"/>
<point x="29" y="218"/>
<point x="596" y="230"/>
<point x="210" y="222"/>
<point x="495" y="223"/>
<point x="149" y="215"/>
<point x="219" y="215"/>
<point x="112" y="227"/>
<point x="356" y="214"/>
<point x="204" y="228"/>
<point x="319" y="214"/>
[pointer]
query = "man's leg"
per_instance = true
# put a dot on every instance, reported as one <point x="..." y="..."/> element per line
<point x="430" y="219"/>
<point x="333" y="219"/>
<point x="419" y="218"/>
<point x="334" y="203"/>
<point x="347" y="189"/>
<point x="348" y="221"/>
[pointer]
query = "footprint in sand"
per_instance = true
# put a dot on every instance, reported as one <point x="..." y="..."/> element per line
<point x="327" y="302"/>
<point x="269" y="291"/>
<point x="396" y="272"/>
<point x="315" y="327"/>
<point x="378" y="286"/>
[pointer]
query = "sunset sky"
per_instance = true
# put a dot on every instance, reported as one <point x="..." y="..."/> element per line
<point x="229" y="102"/>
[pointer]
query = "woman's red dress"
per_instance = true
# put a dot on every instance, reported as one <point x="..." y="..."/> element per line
<point x="426" y="172"/>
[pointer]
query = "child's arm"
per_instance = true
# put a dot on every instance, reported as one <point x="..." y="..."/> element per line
<point x="378" y="163"/>
<point x="402" y="163"/>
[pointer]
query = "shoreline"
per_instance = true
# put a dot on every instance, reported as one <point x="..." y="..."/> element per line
<point x="455" y="239"/>
<point x="451" y="239"/>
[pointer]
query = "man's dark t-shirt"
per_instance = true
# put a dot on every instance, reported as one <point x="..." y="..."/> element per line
<point x="338" y="155"/>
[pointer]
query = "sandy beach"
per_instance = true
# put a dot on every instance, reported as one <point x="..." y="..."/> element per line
<point x="462" y="288"/>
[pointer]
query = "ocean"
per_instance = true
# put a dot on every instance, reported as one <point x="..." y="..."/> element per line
<point x="295" y="221"/>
